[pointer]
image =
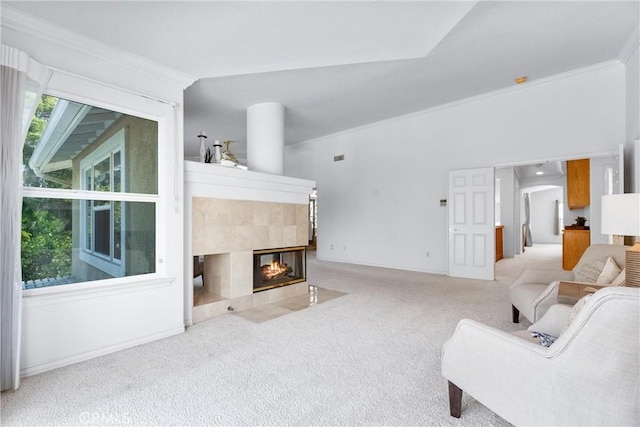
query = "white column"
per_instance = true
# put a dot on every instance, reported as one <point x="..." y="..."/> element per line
<point x="265" y="138"/>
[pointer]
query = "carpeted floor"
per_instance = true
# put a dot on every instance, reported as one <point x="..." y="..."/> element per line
<point x="370" y="357"/>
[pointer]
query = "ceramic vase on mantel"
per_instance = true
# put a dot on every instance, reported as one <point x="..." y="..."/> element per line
<point x="203" y="150"/>
<point x="217" y="157"/>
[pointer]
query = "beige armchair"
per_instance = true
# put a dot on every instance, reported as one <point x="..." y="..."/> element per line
<point x="589" y="376"/>
<point x="537" y="289"/>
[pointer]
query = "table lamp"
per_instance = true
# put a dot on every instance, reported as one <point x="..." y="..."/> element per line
<point x="621" y="216"/>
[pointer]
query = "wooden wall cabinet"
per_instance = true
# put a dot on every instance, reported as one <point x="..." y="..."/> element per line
<point x="578" y="184"/>
<point x="574" y="243"/>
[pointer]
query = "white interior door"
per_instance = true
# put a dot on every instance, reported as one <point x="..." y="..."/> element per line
<point x="471" y="223"/>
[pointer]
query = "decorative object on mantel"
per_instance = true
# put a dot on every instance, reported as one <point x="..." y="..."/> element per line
<point x="203" y="152"/>
<point x="228" y="159"/>
<point x="218" y="155"/>
<point x="621" y="216"/>
<point x="227" y="154"/>
<point x="579" y="225"/>
<point x="213" y="156"/>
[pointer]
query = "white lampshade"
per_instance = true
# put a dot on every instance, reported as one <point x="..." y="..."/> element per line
<point x="621" y="214"/>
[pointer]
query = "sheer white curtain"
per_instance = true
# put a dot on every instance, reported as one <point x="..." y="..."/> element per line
<point x="22" y="81"/>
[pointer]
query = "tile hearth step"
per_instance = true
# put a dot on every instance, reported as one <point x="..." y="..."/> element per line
<point x="218" y="308"/>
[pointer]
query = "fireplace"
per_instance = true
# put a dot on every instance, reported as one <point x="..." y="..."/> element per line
<point x="273" y="268"/>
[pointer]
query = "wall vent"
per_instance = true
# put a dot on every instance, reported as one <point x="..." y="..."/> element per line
<point x="338" y="158"/>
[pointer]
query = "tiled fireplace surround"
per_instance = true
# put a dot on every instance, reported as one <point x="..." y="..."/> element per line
<point x="230" y="213"/>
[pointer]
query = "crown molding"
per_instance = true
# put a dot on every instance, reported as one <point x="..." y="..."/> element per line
<point x="529" y="85"/>
<point x="31" y="26"/>
<point x="630" y="46"/>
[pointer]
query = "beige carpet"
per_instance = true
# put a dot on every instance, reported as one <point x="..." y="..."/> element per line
<point x="370" y="357"/>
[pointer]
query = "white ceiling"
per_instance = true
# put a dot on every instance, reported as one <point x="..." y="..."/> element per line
<point x="338" y="65"/>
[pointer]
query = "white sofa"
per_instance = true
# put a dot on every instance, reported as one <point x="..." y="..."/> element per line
<point x="537" y="289"/>
<point x="589" y="376"/>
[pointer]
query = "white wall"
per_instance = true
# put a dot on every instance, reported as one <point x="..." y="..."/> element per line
<point x="518" y="218"/>
<point x="632" y="144"/>
<point x="508" y="207"/>
<point x="66" y="324"/>
<point x="598" y="187"/>
<point x="542" y="215"/>
<point x="380" y="206"/>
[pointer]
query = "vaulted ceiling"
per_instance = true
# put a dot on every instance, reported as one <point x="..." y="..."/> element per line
<point x="338" y="65"/>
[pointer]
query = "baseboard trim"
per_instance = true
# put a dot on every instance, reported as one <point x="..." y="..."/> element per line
<point x="70" y="360"/>
<point x="391" y="267"/>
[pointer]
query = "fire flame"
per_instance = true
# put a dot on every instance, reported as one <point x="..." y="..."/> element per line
<point x="275" y="270"/>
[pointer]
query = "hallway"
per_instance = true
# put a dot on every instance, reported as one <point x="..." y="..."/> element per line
<point x="540" y="255"/>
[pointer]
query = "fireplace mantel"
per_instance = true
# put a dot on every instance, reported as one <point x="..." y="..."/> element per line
<point x="210" y="180"/>
<point x="230" y="212"/>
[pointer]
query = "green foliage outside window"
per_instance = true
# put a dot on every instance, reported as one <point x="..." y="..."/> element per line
<point x="46" y="230"/>
<point x="46" y="245"/>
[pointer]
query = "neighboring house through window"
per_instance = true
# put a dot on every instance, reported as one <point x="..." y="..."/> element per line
<point x="102" y="233"/>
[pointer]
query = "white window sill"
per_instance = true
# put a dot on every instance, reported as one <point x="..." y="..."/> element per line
<point x="100" y="287"/>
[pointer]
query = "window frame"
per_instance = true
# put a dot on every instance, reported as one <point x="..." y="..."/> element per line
<point x="86" y="91"/>
<point x="109" y="264"/>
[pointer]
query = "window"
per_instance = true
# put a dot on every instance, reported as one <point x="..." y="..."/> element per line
<point x="90" y="195"/>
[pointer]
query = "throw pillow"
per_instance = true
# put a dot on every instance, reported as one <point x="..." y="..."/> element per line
<point x="609" y="272"/>
<point x="589" y="271"/>
<point x="575" y="310"/>
<point x="619" y="281"/>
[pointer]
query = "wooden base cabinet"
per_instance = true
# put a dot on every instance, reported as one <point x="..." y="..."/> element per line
<point x="574" y="243"/>
<point x="499" y="242"/>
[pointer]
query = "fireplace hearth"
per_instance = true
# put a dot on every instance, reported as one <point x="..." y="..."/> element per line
<point x="274" y="268"/>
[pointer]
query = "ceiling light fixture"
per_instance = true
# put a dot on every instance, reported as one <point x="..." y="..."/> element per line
<point x="539" y="173"/>
<point x="520" y="80"/>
